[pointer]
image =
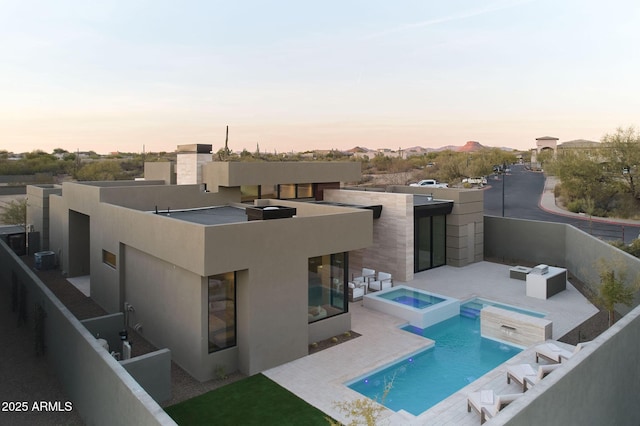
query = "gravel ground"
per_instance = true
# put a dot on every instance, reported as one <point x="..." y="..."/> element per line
<point x="332" y="341"/>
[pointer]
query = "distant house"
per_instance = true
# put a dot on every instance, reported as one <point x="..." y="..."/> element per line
<point x="587" y="147"/>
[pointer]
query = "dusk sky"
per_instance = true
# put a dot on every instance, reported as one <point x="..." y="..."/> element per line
<point x="297" y="75"/>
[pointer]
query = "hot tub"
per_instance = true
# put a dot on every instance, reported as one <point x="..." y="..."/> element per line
<point x="421" y="308"/>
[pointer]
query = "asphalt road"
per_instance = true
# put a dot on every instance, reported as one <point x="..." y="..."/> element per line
<point x="521" y="191"/>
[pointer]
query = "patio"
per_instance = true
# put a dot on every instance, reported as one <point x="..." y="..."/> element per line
<point x="319" y="378"/>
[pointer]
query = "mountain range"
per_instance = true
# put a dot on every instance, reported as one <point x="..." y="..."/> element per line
<point x="470" y="146"/>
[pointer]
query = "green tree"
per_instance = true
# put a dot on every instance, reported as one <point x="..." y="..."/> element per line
<point x="381" y="162"/>
<point x="585" y="184"/>
<point x="603" y="181"/>
<point x="612" y="289"/>
<point x="14" y="212"/>
<point x="621" y="154"/>
<point x="451" y="167"/>
<point x="544" y="158"/>
<point x="60" y="151"/>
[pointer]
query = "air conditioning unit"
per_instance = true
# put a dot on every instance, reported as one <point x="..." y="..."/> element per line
<point x="45" y="260"/>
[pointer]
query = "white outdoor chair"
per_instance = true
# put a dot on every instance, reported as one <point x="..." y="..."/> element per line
<point x="526" y="376"/>
<point x="487" y="404"/>
<point x="384" y="281"/>
<point x="367" y="275"/>
<point x="552" y="353"/>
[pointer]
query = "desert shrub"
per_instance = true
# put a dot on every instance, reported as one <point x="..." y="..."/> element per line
<point x="557" y="190"/>
<point x="633" y="248"/>
<point x="575" y="206"/>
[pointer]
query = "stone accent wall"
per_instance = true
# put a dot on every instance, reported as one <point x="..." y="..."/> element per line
<point x="465" y="227"/>
<point x="508" y="326"/>
<point x="392" y="249"/>
<point x="189" y="167"/>
<point x="465" y="224"/>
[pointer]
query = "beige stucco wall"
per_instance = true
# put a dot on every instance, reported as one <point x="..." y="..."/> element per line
<point x="162" y="265"/>
<point x="544" y="143"/>
<point x="598" y="386"/>
<point x="38" y="210"/>
<point x="239" y="173"/>
<point x="78" y="199"/>
<point x="102" y="391"/>
<point x="162" y="170"/>
<point x="165" y="197"/>
<point x="168" y="305"/>
<point x="558" y="244"/>
<point x="272" y="306"/>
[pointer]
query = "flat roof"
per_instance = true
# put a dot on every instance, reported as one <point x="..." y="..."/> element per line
<point x="218" y="215"/>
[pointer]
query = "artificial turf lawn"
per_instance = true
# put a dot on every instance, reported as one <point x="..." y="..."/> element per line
<point x="255" y="400"/>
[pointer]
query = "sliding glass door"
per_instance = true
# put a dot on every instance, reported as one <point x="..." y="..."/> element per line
<point x="429" y="242"/>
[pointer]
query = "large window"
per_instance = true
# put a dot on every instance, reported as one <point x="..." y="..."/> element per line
<point x="423" y="243"/>
<point x="429" y="242"/>
<point x="327" y="278"/>
<point x="222" y="311"/>
<point x="304" y="190"/>
<point x="248" y="193"/>
<point x="288" y="191"/>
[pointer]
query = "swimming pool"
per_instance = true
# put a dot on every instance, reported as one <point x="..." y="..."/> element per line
<point x="460" y="356"/>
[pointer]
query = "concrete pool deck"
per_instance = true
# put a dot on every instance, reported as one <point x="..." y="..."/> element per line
<point x="319" y="378"/>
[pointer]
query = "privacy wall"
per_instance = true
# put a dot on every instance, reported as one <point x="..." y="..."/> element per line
<point x="99" y="387"/>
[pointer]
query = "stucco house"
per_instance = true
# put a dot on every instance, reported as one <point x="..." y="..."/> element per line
<point x="243" y="265"/>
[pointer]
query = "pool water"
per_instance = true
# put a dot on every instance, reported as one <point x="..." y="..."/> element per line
<point x="412" y="301"/>
<point x="459" y="357"/>
<point x="474" y="306"/>
<point x="408" y="297"/>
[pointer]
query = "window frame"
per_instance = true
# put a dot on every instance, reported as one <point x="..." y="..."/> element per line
<point x="335" y="285"/>
<point x="229" y="342"/>
<point x="109" y="259"/>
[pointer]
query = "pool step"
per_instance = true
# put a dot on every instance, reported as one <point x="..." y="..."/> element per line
<point x="469" y="312"/>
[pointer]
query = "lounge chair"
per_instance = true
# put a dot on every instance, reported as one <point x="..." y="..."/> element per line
<point x="526" y="376"/>
<point x="384" y="281"/>
<point x="553" y="353"/>
<point x="487" y="404"/>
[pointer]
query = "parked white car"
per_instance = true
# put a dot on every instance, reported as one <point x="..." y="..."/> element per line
<point x="430" y="183"/>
